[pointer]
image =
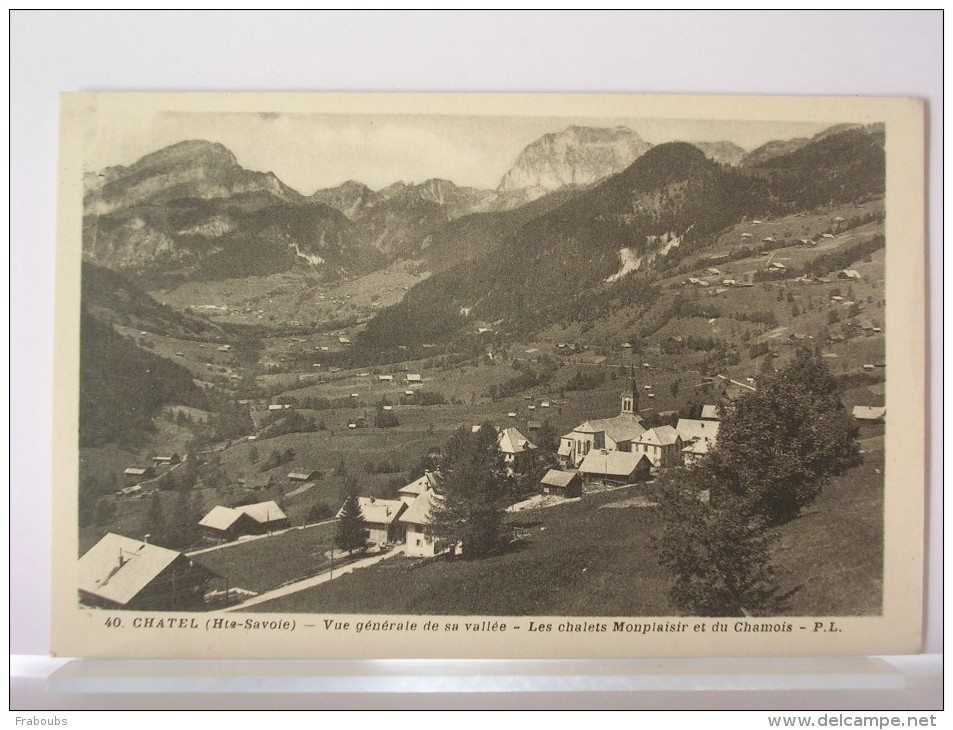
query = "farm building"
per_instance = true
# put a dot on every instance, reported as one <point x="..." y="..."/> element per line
<point x="380" y="519"/>
<point x="416" y="520"/>
<point x="709" y="413"/>
<point x="870" y="414"/>
<point x="138" y="473"/>
<point x="661" y="444"/>
<point x="848" y="274"/>
<point x="166" y="459"/>
<point x="615" y="467"/>
<point x="414" y="378"/>
<point x="257" y="482"/>
<point x="120" y="572"/>
<point x="304" y="475"/>
<point x="230" y="523"/>
<point x="517" y="450"/>
<point x="562" y="483"/>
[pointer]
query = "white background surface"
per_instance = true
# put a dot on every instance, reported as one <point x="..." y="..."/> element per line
<point x="685" y="52"/>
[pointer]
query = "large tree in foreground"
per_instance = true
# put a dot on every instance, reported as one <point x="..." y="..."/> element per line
<point x="717" y="549"/>
<point x="778" y="446"/>
<point x="473" y="486"/>
<point x="776" y="449"/>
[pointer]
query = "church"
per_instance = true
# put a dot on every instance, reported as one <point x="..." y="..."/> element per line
<point x="609" y="434"/>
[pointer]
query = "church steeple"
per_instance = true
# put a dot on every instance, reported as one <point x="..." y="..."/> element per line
<point x="630" y="396"/>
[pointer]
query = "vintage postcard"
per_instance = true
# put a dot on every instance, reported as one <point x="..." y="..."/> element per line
<point x="500" y="376"/>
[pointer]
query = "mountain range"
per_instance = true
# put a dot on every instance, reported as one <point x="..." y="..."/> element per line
<point x="191" y="212"/>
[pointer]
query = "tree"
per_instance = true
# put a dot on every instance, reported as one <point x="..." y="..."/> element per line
<point x="716" y="548"/>
<point x="385" y="419"/>
<point x="473" y="486"/>
<point x="781" y="443"/>
<point x="350" y="534"/>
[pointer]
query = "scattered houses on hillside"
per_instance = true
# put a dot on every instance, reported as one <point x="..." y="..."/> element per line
<point x="120" y="572"/>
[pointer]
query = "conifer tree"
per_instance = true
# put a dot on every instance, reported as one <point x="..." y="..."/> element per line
<point x="350" y="533"/>
<point x="472" y="486"/>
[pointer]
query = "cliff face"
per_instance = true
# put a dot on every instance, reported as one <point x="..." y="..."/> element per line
<point x="575" y="156"/>
<point x="192" y="169"/>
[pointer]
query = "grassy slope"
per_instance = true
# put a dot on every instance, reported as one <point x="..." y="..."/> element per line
<point x="583" y="560"/>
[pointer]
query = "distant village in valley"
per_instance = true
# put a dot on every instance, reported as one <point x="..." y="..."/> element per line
<point x="285" y="397"/>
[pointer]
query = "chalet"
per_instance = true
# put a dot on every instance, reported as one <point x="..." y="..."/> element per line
<point x="712" y="270"/>
<point x="225" y="348"/>
<point x="729" y="282"/>
<point x="138" y="473"/>
<point x="692" y="453"/>
<point x="122" y="573"/>
<point x="258" y="482"/>
<point x="408" y="494"/>
<point x="344" y="340"/>
<point x="416" y="520"/>
<point x="166" y="459"/>
<point x="777" y="265"/>
<point x="385" y="378"/>
<point x="848" y="274"/>
<point x="662" y="444"/>
<point x="827" y="235"/>
<point x="746" y="235"/>
<point x="709" y="413"/>
<point x="533" y="425"/>
<point x="615" y="467"/>
<point x="134" y="491"/>
<point x="380" y="519"/>
<point x="692" y="430"/>
<point x="230" y="523"/>
<point x="517" y="450"/>
<point x="414" y="378"/>
<point x="612" y="434"/>
<point x="870" y="414"/>
<point x="768" y="239"/>
<point x="304" y="475"/>
<point x="562" y="483"/>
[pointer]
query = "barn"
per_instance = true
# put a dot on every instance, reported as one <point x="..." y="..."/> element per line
<point x="120" y="572"/>
<point x="230" y="523"/>
<point x="615" y="467"/>
<point x="562" y="483"/>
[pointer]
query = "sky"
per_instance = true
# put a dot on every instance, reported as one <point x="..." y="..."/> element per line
<point x="311" y="151"/>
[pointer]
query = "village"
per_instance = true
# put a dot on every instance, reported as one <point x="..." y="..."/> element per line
<point x="599" y="455"/>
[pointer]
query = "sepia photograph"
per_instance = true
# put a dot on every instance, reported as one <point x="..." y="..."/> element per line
<point x="440" y="375"/>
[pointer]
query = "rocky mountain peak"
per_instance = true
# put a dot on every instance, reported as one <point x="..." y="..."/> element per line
<point x="575" y="156"/>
